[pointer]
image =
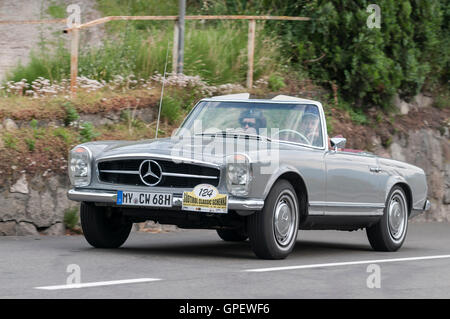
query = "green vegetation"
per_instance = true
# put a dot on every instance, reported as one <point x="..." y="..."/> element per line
<point x="276" y="82"/>
<point x="409" y="53"/>
<point x="10" y="141"/>
<point x="171" y="109"/>
<point x="63" y="133"/>
<point x="442" y="100"/>
<point x="217" y="53"/>
<point x="56" y="11"/>
<point x="87" y="132"/>
<point x="31" y="143"/>
<point x="34" y="124"/>
<point x="71" y="114"/>
<point x="71" y="218"/>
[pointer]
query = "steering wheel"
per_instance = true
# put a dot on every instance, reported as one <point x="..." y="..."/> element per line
<point x="303" y="137"/>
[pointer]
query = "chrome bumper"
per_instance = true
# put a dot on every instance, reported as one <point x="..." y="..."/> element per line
<point x="98" y="196"/>
<point x="426" y="207"/>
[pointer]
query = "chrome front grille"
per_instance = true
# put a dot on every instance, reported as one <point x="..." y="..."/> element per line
<point x="131" y="172"/>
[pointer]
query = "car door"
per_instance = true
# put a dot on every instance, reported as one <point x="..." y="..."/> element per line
<point x="352" y="184"/>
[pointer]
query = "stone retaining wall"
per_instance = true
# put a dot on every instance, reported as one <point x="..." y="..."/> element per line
<point x="34" y="205"/>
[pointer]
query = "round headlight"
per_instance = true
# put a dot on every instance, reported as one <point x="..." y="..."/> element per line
<point x="238" y="174"/>
<point x="80" y="166"/>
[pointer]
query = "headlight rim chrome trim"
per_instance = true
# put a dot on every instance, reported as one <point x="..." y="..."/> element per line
<point x="249" y="172"/>
<point x="89" y="162"/>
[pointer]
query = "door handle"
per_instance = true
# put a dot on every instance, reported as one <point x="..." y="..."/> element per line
<point x="375" y="169"/>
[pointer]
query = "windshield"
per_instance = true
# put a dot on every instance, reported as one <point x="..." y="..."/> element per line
<point x="298" y="123"/>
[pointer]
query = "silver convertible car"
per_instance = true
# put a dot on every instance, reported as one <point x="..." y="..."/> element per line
<point x="257" y="169"/>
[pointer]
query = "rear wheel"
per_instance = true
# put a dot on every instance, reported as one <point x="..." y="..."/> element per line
<point x="103" y="227"/>
<point x="273" y="231"/>
<point x="232" y="234"/>
<point x="390" y="232"/>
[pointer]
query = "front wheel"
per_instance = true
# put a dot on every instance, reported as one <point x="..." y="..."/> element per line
<point x="390" y="232"/>
<point x="273" y="231"/>
<point x="103" y="227"/>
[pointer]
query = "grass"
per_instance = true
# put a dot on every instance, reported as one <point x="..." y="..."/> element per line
<point x="71" y="113"/>
<point x="356" y="115"/>
<point x="64" y="134"/>
<point x="10" y="141"/>
<point x="56" y="11"/>
<point x="25" y="108"/>
<point x="442" y="99"/>
<point x="31" y="144"/>
<point x="215" y="51"/>
<point x="276" y="82"/>
<point x="171" y="109"/>
<point x="87" y="132"/>
<point x="71" y="217"/>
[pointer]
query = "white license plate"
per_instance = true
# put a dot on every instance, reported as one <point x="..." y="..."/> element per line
<point x="144" y="199"/>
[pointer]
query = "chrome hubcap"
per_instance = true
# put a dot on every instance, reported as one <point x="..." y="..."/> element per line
<point x="285" y="218"/>
<point x="397" y="216"/>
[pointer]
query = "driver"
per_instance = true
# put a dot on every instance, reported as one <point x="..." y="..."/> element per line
<point x="310" y="127"/>
<point x="252" y="121"/>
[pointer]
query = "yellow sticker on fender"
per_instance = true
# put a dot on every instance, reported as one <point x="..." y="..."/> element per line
<point x="205" y="198"/>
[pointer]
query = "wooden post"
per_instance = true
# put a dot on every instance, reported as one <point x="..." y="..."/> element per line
<point x="180" y="55"/>
<point x="74" y="61"/>
<point x="251" y="51"/>
<point x="175" y="48"/>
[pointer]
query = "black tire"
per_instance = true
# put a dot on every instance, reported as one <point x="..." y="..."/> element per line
<point x="232" y="234"/>
<point x="262" y="227"/>
<point x="381" y="236"/>
<point x="103" y="227"/>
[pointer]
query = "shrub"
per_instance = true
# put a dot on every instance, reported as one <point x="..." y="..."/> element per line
<point x="31" y="144"/>
<point x="71" y="217"/>
<point x="276" y="82"/>
<point x="71" y="114"/>
<point x="34" y="124"/>
<point x="171" y="109"/>
<point x="10" y="141"/>
<point x="87" y="132"/>
<point x="62" y="133"/>
<point x="368" y="65"/>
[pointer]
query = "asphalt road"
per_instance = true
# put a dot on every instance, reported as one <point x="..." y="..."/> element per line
<point x="197" y="264"/>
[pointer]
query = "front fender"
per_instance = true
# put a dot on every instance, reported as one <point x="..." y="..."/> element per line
<point x="276" y="175"/>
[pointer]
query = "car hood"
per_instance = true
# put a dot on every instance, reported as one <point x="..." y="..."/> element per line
<point x="207" y="149"/>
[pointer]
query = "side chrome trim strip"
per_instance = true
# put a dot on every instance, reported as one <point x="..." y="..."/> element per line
<point x="346" y="204"/>
<point x="369" y="214"/>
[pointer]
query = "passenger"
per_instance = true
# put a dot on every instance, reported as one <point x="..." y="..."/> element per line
<point x="310" y="126"/>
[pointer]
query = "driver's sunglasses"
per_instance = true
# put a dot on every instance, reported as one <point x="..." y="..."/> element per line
<point x="250" y="124"/>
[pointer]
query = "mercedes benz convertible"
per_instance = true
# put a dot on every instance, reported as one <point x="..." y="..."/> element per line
<point x="257" y="169"/>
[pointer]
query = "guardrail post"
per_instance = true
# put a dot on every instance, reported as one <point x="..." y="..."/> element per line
<point x="251" y="51"/>
<point x="74" y="61"/>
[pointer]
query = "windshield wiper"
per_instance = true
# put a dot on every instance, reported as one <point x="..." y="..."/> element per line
<point x="236" y="134"/>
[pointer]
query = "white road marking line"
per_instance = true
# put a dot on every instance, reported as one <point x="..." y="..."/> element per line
<point x="375" y="261"/>
<point x="98" y="283"/>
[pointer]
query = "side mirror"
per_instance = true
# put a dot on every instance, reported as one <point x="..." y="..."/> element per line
<point x="338" y="142"/>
